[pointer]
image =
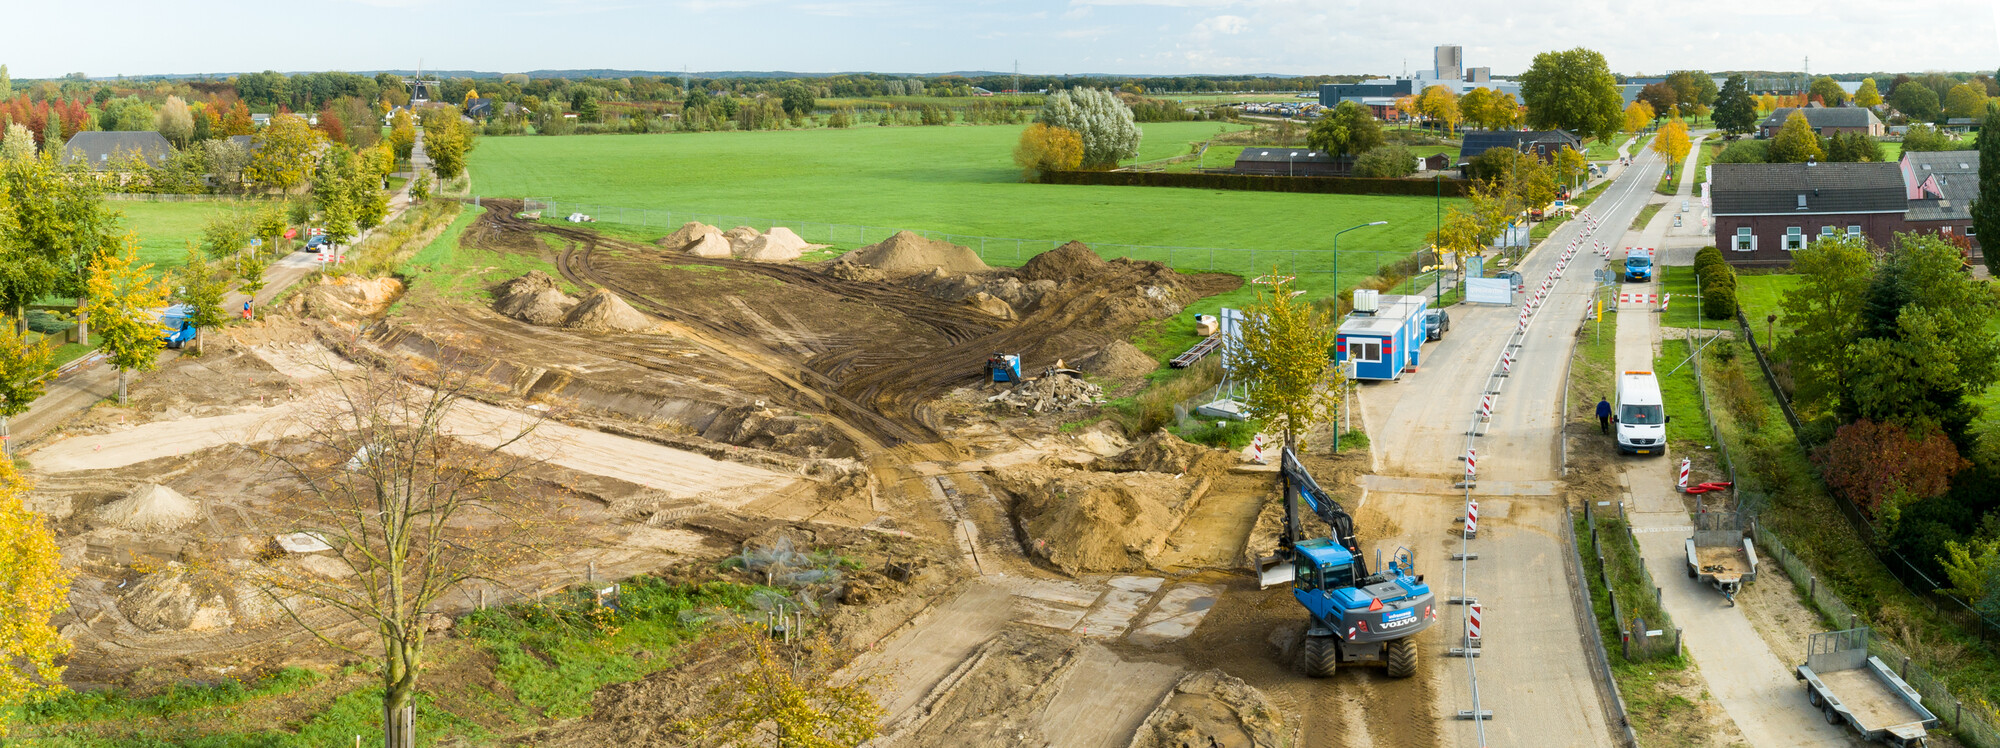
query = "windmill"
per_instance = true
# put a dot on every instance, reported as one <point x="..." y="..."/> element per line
<point x="421" y="89"/>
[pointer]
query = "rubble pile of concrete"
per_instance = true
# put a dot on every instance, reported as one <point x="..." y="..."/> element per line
<point x="1052" y="393"/>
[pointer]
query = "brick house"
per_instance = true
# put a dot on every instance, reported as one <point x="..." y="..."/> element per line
<point x="109" y="150"/>
<point x="1764" y="212"/>
<point x="1826" y="121"/>
<point x="1940" y="187"/>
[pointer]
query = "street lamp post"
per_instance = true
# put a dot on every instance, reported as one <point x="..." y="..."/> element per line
<point x="1336" y="307"/>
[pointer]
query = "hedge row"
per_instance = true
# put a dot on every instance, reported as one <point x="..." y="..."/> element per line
<point x="1718" y="283"/>
<point x="1262" y="183"/>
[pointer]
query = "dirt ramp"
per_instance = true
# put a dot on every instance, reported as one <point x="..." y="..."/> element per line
<point x="534" y="298"/>
<point x="1084" y="521"/>
<point x="908" y="252"/>
<point x="1212" y="709"/>
<point x="605" y="311"/>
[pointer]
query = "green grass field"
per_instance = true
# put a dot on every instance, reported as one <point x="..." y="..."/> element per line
<point x="164" y="229"/>
<point x="1758" y="294"/>
<point x="1605" y="150"/>
<point x="958" y="181"/>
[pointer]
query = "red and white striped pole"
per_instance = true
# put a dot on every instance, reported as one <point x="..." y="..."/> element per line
<point x="1472" y="518"/>
<point x="1684" y="475"/>
<point x="1257" y="449"/>
<point x="1471" y="464"/>
<point x="1472" y="634"/>
<point x="1664" y="298"/>
<point x="1485" y="408"/>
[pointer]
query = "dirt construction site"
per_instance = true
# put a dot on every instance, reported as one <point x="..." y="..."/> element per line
<point x="1030" y="574"/>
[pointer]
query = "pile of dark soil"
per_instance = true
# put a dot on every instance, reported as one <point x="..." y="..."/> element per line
<point x="1162" y="452"/>
<point x="1067" y="262"/>
<point x="534" y="298"/>
<point x="1082" y="521"/>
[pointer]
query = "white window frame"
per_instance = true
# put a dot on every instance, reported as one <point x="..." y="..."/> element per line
<point x="1795" y="238"/>
<point x="1358" y="351"/>
<point x="1854" y="229"/>
<point x="1826" y="232"/>
<point x="1744" y="241"/>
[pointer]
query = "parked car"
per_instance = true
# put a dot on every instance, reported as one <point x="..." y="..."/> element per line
<point x="317" y="241"/>
<point x="1514" y="276"/>
<point x="1436" y="323"/>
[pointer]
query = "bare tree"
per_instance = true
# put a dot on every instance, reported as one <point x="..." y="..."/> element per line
<point x="416" y="497"/>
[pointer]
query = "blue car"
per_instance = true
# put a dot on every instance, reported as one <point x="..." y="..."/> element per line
<point x="175" y="328"/>
<point x="317" y="241"/>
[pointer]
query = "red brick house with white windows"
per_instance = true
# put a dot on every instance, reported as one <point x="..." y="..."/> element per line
<point x="1764" y="212"/>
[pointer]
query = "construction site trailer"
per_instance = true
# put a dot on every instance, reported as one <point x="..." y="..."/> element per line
<point x="1382" y="337"/>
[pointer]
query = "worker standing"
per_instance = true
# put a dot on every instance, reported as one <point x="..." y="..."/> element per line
<point x="1604" y="416"/>
<point x="246" y="308"/>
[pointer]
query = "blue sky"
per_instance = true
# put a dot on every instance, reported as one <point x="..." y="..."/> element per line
<point x="137" y="37"/>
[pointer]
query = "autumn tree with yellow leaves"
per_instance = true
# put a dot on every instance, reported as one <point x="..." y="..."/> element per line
<point x="1282" y="360"/>
<point x="34" y="588"/>
<point x="123" y="296"/>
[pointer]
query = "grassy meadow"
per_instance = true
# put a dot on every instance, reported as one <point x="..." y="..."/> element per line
<point x="164" y="229"/>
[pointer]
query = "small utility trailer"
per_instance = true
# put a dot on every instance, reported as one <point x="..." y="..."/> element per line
<point x="1719" y="555"/>
<point x="1850" y="687"/>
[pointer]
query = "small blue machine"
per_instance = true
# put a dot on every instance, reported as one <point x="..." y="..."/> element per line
<point x="1005" y="367"/>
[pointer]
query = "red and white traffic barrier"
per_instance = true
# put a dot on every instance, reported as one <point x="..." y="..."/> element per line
<point x="1663" y="300"/>
<point x="1485" y="407"/>
<point x="1257" y="449"/>
<point x="1471" y="463"/>
<point x="1506" y="364"/>
<point x="1471" y="517"/>
<point x="1683" y="485"/>
<point x="1472" y="623"/>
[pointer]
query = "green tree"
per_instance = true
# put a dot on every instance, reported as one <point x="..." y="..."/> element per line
<point x="1916" y="101"/>
<point x="1293" y="385"/>
<point x="269" y="227"/>
<point x="53" y="227"/>
<point x="281" y="154"/>
<point x="1347" y="130"/>
<point x="6" y="83"/>
<point x="202" y="287"/>
<point x="1105" y="124"/>
<point x="123" y="297"/>
<point x="1043" y="148"/>
<point x="18" y="144"/>
<point x="1986" y="207"/>
<point x="447" y="141"/>
<point x="1828" y="91"/>
<point x="251" y="271"/>
<point x="334" y="196"/>
<point x="1661" y="98"/>
<point x="1474" y="103"/>
<point x="1386" y="162"/>
<point x="797" y="98"/>
<point x="1570" y="164"/>
<point x="786" y="698"/>
<point x="1440" y="104"/>
<point x="1868" y="95"/>
<point x="1672" y="143"/>
<point x="1965" y="100"/>
<point x="1824" y="312"/>
<point x="1924" y="349"/>
<point x="224" y="235"/>
<point x="1853" y="147"/>
<point x="175" y="122"/>
<point x="1796" y="143"/>
<point x="1572" y="90"/>
<point x="1745" y="152"/>
<point x="1694" y="89"/>
<point x="25" y="368"/>
<point x="1735" y="111"/>
<point x="34" y="589"/>
<point x="1921" y="138"/>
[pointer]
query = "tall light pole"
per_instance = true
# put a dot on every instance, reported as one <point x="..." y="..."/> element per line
<point x="1336" y="307"/>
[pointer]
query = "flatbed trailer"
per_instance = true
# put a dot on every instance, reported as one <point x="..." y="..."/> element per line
<point x="1850" y="687"/>
<point x="1719" y="555"/>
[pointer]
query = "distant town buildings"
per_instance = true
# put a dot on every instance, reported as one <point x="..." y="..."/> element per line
<point x="1450" y="62"/>
<point x="1447" y="69"/>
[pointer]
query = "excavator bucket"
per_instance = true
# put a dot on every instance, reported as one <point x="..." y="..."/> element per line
<point x="1274" y="570"/>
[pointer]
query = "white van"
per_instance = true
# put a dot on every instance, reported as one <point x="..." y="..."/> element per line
<point x="1640" y="418"/>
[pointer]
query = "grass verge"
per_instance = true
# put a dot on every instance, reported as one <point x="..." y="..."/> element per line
<point x="1687" y="430"/>
<point x="1758" y="293"/>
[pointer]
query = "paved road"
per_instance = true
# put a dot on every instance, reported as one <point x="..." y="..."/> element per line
<point x="1752" y="684"/>
<point x="1533" y="674"/>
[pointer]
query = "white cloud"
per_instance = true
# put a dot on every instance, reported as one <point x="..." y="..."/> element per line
<point x="1229" y="25"/>
<point x="1165" y="3"/>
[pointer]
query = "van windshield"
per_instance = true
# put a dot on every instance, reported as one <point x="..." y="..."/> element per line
<point x="1640" y="414"/>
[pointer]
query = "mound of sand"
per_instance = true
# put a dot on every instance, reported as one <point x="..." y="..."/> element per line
<point x="711" y="246"/>
<point x="1067" y="262"/>
<point x="1162" y="452"/>
<point x="1083" y="522"/>
<point x="605" y="311"/>
<point x="534" y="298"/>
<point x="169" y="600"/>
<point x="908" y="252"/>
<point x="739" y="235"/>
<point x="1212" y="708"/>
<point x="780" y="244"/>
<point x="151" y="508"/>
<point x="1120" y="360"/>
<point x="687" y="235"/>
<point x="348" y="297"/>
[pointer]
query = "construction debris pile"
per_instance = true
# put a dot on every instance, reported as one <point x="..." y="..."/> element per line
<point x="534" y="298"/>
<point x="1056" y="390"/>
<point x="698" y="239"/>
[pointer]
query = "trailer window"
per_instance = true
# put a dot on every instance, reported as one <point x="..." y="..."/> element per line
<point x="1365" y="352"/>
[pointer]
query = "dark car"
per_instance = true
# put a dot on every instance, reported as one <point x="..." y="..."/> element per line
<point x="318" y="240"/>
<point x="1436" y="322"/>
<point x="1520" y="283"/>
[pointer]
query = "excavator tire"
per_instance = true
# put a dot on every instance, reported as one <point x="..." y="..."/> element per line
<point x="1402" y="658"/>
<point x="1320" y="656"/>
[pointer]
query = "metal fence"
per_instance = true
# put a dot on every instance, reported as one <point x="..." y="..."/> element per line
<point x="1971" y="727"/>
<point x="1600" y="658"/>
<point x="994" y="250"/>
<point x="1637" y="640"/>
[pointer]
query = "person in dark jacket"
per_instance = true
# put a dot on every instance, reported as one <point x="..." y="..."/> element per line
<point x="1604" y="416"/>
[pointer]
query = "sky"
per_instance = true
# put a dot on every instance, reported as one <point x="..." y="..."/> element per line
<point x="1166" y="37"/>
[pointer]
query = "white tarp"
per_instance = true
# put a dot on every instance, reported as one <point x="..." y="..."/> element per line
<point x="1489" y="291"/>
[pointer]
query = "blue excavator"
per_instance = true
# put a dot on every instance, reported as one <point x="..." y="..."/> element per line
<point x="1357" y="617"/>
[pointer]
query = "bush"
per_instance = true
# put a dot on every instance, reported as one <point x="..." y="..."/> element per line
<point x="1881" y="466"/>
<point x="1261" y="183"/>
<point x="1745" y="152"/>
<point x="1708" y="255"/>
<point x="1224" y="434"/>
<point x="1719" y="301"/>
<point x="1386" y="162"/>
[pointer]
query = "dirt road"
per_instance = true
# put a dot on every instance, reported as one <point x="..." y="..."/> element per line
<point x="1753" y="685"/>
